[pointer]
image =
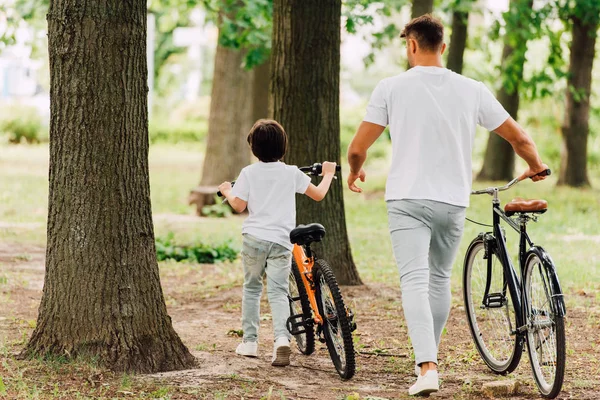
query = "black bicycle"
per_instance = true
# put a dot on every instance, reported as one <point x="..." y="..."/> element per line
<point x="505" y="309"/>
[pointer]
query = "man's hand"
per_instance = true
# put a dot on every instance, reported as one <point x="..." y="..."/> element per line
<point x="352" y="177"/>
<point x="328" y="168"/>
<point x="225" y="188"/>
<point x="531" y="172"/>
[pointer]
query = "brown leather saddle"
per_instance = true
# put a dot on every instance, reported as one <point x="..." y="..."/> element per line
<point x="519" y="205"/>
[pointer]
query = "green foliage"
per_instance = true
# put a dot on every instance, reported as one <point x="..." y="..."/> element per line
<point x="217" y="210"/>
<point x="199" y="252"/>
<point x="181" y="132"/>
<point x="244" y="25"/>
<point x="23" y="124"/>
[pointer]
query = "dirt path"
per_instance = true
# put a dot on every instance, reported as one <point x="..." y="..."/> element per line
<point x="204" y="303"/>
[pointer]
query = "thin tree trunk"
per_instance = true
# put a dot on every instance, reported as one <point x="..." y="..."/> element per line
<point x="305" y="71"/>
<point x="575" y="129"/>
<point x="458" y="41"/>
<point x="229" y="122"/>
<point x="102" y="295"/>
<point x="260" y="91"/>
<point x="499" y="160"/>
<point x="421" y="7"/>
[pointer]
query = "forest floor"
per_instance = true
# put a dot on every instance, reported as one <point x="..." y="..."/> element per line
<point x="204" y="301"/>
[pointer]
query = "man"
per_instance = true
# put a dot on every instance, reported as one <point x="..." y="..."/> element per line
<point x="432" y="113"/>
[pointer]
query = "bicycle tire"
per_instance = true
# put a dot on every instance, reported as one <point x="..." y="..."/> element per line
<point x="556" y="331"/>
<point x="304" y="341"/>
<point x="334" y="325"/>
<point x="499" y="347"/>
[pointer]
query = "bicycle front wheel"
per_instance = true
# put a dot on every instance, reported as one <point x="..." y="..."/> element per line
<point x="490" y="312"/>
<point x="300" y="306"/>
<point x="337" y="328"/>
<point x="545" y="326"/>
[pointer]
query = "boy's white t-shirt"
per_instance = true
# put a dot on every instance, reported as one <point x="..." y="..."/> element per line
<point x="432" y="113"/>
<point x="270" y="190"/>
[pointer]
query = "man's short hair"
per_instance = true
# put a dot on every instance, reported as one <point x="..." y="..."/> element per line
<point x="268" y="140"/>
<point x="427" y="31"/>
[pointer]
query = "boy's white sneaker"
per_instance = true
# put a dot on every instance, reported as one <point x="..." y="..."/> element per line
<point x="281" y="352"/>
<point x="425" y="384"/>
<point x="248" y="349"/>
<point x="417" y="370"/>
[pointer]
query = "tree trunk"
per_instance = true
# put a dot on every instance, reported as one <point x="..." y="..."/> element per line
<point x="458" y="41"/>
<point x="260" y="96"/>
<point x="575" y="129"/>
<point x="305" y="72"/>
<point x="499" y="160"/>
<point x="420" y="7"/>
<point x="102" y="295"/>
<point x="230" y="120"/>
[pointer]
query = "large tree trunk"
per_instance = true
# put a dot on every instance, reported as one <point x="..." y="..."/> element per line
<point x="230" y="120"/>
<point x="499" y="160"/>
<point x="260" y="91"/>
<point x="305" y="71"/>
<point x="458" y="41"/>
<point x="575" y="129"/>
<point x="102" y="295"/>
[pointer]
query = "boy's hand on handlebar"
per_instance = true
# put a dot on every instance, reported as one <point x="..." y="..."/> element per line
<point x="533" y="173"/>
<point x="328" y="168"/>
<point x="352" y="177"/>
<point x="225" y="188"/>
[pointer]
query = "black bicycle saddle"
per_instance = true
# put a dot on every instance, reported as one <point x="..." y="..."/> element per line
<point x="306" y="234"/>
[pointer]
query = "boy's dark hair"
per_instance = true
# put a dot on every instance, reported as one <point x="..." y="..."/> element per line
<point x="268" y="140"/>
<point x="427" y="31"/>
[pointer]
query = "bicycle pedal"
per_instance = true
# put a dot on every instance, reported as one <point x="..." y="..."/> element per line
<point x="495" y="300"/>
<point x="297" y="324"/>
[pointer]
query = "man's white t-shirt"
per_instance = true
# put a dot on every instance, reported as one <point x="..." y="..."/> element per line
<point x="270" y="190"/>
<point x="432" y="113"/>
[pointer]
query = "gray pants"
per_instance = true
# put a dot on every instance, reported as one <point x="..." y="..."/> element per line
<point x="425" y="238"/>
<point x="260" y="257"/>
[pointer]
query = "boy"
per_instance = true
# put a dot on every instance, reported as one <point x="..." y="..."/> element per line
<point x="268" y="188"/>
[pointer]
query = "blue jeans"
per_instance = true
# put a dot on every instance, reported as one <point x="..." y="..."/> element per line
<point x="425" y="238"/>
<point x="260" y="257"/>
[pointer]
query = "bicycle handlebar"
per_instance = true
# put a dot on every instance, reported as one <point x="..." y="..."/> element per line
<point x="316" y="169"/>
<point x="510" y="184"/>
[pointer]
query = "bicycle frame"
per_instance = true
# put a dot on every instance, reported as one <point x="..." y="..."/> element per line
<point x="305" y="261"/>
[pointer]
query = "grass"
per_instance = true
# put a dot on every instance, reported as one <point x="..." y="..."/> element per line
<point x="569" y="231"/>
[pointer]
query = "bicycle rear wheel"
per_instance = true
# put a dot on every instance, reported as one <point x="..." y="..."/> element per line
<point x="337" y="327"/>
<point x="545" y="326"/>
<point x="300" y="306"/>
<point x="491" y="318"/>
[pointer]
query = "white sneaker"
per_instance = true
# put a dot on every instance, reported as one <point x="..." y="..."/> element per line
<point x="425" y="384"/>
<point x="248" y="349"/>
<point x="281" y="352"/>
<point x="417" y="370"/>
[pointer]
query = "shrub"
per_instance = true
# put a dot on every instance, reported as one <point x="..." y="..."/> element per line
<point x="23" y="124"/>
<point x="183" y="132"/>
<point x="198" y="252"/>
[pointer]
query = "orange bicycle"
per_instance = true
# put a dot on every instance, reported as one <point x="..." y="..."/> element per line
<point x="316" y="300"/>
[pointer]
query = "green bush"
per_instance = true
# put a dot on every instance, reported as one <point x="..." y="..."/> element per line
<point x="199" y="252"/>
<point x="23" y="124"/>
<point x="182" y="132"/>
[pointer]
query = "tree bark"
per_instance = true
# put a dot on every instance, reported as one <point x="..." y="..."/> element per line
<point x="499" y="160"/>
<point x="575" y="128"/>
<point x="260" y="91"/>
<point x="305" y="78"/>
<point x="458" y="41"/>
<point x="229" y="122"/>
<point x="421" y="7"/>
<point x="102" y="294"/>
